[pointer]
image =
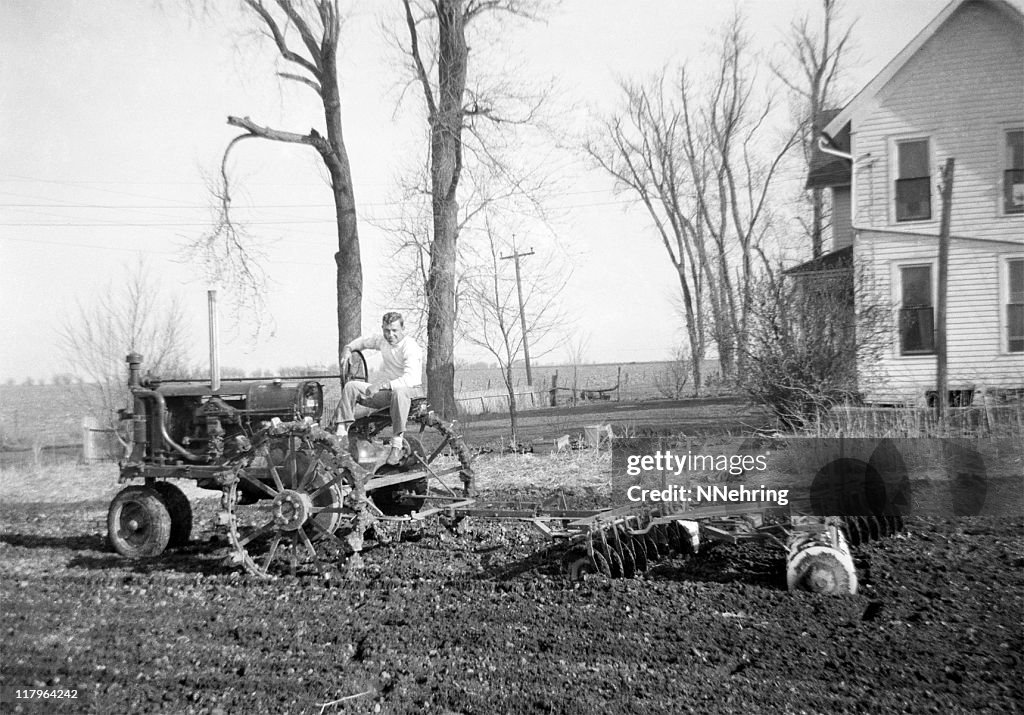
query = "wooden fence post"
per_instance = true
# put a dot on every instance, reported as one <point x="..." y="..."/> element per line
<point x="89" y="423"/>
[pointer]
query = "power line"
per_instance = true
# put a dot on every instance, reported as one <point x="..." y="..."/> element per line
<point x="204" y="224"/>
<point x="26" y="224"/>
<point x="67" y="244"/>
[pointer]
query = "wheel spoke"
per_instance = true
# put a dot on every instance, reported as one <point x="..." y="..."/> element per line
<point x="312" y="551"/>
<point x="261" y="486"/>
<point x="329" y="510"/>
<point x="320" y="490"/>
<point x="265" y="529"/>
<point x="269" y="558"/>
<point x="307" y="478"/>
<point x="292" y="461"/>
<point x="277" y="477"/>
<point x="325" y="532"/>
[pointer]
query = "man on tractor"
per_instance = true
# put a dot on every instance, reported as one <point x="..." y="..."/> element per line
<point x="396" y="386"/>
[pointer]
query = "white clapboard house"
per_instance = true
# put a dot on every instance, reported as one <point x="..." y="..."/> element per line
<point x="957" y="90"/>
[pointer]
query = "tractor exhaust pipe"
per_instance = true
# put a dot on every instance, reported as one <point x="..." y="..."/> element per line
<point x="211" y="299"/>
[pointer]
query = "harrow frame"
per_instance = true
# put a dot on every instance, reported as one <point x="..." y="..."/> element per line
<point x="623" y="541"/>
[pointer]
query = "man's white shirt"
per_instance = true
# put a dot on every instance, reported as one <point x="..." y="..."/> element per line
<point x="403" y="362"/>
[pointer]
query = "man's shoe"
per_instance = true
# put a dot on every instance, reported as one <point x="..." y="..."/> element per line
<point x="395" y="455"/>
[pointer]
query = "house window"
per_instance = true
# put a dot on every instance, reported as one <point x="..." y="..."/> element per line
<point x="1015" y="306"/>
<point x="913" y="181"/>
<point x="917" y="324"/>
<point x="1013" y="172"/>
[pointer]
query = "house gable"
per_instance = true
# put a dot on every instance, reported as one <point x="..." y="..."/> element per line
<point x="1004" y="10"/>
<point x="955" y="97"/>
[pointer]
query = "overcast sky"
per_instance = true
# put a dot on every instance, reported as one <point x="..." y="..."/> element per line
<point x="111" y="111"/>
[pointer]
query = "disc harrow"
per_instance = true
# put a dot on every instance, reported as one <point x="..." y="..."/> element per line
<point x="862" y="529"/>
<point x="629" y="541"/>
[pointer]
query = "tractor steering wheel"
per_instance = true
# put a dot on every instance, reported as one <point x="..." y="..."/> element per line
<point x="356" y="369"/>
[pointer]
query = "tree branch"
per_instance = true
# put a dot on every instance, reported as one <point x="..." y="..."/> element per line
<point x="305" y="80"/>
<point x="302" y="27"/>
<point x="281" y="42"/>
<point x="414" y="52"/>
<point x="313" y="139"/>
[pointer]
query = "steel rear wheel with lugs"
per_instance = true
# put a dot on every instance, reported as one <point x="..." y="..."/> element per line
<point x="138" y="523"/>
<point x="285" y="508"/>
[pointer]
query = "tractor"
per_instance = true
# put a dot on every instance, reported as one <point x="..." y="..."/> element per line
<point x="290" y="491"/>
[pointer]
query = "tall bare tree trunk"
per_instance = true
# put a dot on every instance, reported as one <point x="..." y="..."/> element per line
<point x="306" y="36"/>
<point x="445" y="170"/>
<point x="347" y="259"/>
<point x="817" y="222"/>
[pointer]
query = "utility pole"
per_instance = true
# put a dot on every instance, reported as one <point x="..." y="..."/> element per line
<point x="522" y="309"/>
<point x="941" y="376"/>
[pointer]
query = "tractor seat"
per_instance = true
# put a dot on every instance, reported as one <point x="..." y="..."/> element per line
<point x="419" y="404"/>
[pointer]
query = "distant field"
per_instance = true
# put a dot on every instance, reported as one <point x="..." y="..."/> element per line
<point x="47" y="415"/>
<point x="635" y="380"/>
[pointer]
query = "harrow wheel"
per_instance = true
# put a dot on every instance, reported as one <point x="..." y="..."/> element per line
<point x="651" y="545"/>
<point x="613" y="559"/>
<point x="639" y="551"/>
<point x="660" y="536"/>
<point x="623" y="547"/>
<point x="578" y="563"/>
<point x="862" y="529"/>
<point x="820" y="562"/>
<point x="285" y="507"/>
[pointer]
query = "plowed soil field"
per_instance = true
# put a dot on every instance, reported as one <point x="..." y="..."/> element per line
<point x="481" y="621"/>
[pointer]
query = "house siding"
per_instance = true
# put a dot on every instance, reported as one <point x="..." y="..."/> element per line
<point x="842" y="229"/>
<point x="962" y="89"/>
<point x="976" y="350"/>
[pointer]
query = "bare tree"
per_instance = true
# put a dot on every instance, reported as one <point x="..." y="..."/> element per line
<point x="306" y="35"/>
<point x="132" y="316"/>
<point x="818" y="55"/>
<point x="733" y="162"/>
<point x="671" y="380"/>
<point x="486" y="193"/>
<point x="438" y="54"/>
<point x="699" y="155"/>
<point x="809" y="336"/>
<point x="641" y="149"/>
<point x="493" y="309"/>
<point x="577" y="348"/>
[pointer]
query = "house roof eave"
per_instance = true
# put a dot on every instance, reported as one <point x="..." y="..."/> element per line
<point x="833" y="262"/>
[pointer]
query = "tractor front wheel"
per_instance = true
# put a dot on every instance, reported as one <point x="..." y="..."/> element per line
<point x="138" y="523"/>
<point x="180" y="511"/>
